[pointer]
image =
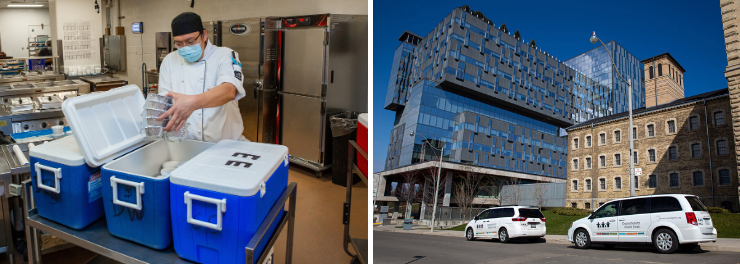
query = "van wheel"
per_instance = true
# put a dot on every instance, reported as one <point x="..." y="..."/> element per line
<point x="688" y="247"/>
<point x="503" y="236"/>
<point x="469" y="234"/>
<point x="583" y="241"/>
<point x="665" y="241"/>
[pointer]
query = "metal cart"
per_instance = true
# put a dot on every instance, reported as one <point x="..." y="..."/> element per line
<point x="96" y="237"/>
<point x="359" y="245"/>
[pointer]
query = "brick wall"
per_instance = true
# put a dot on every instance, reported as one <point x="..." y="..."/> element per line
<point x="662" y="167"/>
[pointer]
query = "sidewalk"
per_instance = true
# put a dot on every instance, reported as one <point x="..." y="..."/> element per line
<point x="722" y="244"/>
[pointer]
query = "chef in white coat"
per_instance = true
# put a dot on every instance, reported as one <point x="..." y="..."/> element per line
<point x="205" y="82"/>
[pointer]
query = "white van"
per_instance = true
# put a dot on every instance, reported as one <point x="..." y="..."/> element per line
<point x="507" y="222"/>
<point x="668" y="221"/>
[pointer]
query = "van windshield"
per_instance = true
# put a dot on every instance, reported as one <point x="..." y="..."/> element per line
<point x="696" y="205"/>
<point x="530" y="213"/>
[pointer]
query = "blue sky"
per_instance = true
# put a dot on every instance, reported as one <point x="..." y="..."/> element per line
<point x="690" y="30"/>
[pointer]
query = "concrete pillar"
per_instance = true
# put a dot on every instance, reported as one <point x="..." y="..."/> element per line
<point x="448" y="189"/>
<point x="396" y="208"/>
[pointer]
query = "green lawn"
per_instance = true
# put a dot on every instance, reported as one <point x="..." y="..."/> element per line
<point x="727" y="225"/>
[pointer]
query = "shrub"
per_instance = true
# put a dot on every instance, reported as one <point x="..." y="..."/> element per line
<point x="569" y="211"/>
<point x="718" y="210"/>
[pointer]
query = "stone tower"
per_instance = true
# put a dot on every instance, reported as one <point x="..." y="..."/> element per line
<point x="663" y="80"/>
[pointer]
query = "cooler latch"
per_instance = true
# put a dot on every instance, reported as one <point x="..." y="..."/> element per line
<point x="263" y="189"/>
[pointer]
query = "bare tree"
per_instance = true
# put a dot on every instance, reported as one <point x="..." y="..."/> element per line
<point x="498" y="183"/>
<point x="539" y="194"/>
<point x="407" y="191"/>
<point x="431" y="188"/>
<point x="466" y="188"/>
<point x="513" y="195"/>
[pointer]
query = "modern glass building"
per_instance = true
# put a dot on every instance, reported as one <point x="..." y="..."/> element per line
<point x="487" y="98"/>
<point x="597" y="65"/>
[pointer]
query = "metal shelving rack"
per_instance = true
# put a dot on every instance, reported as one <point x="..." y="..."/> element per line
<point x="359" y="245"/>
<point x="96" y="237"/>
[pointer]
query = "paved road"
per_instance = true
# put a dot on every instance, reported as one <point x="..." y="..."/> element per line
<point x="391" y="247"/>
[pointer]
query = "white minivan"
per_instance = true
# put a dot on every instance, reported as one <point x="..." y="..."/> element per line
<point x="507" y="222"/>
<point x="668" y="221"/>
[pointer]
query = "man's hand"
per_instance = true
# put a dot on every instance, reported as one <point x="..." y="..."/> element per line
<point x="182" y="107"/>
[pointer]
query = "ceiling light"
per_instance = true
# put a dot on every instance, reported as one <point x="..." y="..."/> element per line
<point x="14" y="5"/>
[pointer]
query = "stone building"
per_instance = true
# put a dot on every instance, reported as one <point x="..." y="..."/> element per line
<point x="730" y="11"/>
<point x="663" y="80"/>
<point x="685" y="146"/>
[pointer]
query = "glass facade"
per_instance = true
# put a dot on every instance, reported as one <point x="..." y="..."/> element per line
<point x="597" y="65"/>
<point x="466" y="70"/>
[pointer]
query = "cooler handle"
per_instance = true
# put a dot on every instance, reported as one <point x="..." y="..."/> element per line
<point x="57" y="175"/>
<point x="220" y="209"/>
<point x="139" y="191"/>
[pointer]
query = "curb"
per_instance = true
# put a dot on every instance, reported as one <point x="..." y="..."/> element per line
<point x="556" y="240"/>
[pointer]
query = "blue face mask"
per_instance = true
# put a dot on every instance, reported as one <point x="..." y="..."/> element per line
<point x="190" y="53"/>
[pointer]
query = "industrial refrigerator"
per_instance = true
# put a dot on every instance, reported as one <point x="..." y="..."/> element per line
<point x="259" y="107"/>
<point x="318" y="65"/>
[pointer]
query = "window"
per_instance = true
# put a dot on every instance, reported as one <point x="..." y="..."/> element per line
<point x="588" y="141"/>
<point x="722" y="147"/>
<point x="495" y="213"/>
<point x="724" y="177"/>
<point x="574" y="205"/>
<point x="719" y="118"/>
<point x="588" y="162"/>
<point x="664" y="204"/>
<point x="574" y="185"/>
<point x="587" y="205"/>
<point x="660" y="69"/>
<point x="634" y="206"/>
<point x="607" y="210"/>
<point x="617" y="136"/>
<point x="696" y="205"/>
<point x="671" y="126"/>
<point x="672" y="153"/>
<point x="698" y="178"/>
<point x="651" y="130"/>
<point x="602" y="184"/>
<point x="602" y="161"/>
<point x="602" y="136"/>
<point x="634" y="157"/>
<point x="618" y="183"/>
<point x="588" y="184"/>
<point x="575" y="164"/>
<point x="530" y="213"/>
<point x="652" y="74"/>
<point x="651" y="155"/>
<point x="673" y="178"/>
<point x="575" y="143"/>
<point x="653" y="181"/>
<point x="637" y="182"/>
<point x="695" y="150"/>
<point x="634" y="133"/>
<point x="694" y="122"/>
<point x="617" y="159"/>
<point x="507" y="212"/>
<point x="485" y="214"/>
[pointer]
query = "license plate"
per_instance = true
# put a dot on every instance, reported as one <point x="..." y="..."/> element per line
<point x="533" y="226"/>
<point x="707" y="221"/>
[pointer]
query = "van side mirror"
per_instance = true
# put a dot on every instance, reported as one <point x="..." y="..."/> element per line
<point x="475" y="218"/>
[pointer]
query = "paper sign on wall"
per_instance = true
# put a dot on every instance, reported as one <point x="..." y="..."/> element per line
<point x="77" y="40"/>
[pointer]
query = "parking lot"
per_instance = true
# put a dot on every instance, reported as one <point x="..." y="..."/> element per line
<point x="399" y="247"/>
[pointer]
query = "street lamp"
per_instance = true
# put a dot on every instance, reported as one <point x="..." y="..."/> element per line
<point x="439" y="175"/>
<point x="595" y="39"/>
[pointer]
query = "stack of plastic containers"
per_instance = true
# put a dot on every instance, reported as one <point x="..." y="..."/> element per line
<point x="221" y="197"/>
<point x="362" y="142"/>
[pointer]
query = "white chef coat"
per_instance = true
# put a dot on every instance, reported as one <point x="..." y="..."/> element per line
<point x="216" y="67"/>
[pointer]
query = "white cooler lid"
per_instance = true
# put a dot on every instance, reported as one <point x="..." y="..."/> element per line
<point x="64" y="151"/>
<point x="106" y="125"/>
<point x="223" y="167"/>
<point x="362" y="119"/>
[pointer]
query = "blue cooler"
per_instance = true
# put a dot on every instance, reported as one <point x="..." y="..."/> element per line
<point x="221" y="197"/>
<point x="65" y="188"/>
<point x="107" y="126"/>
<point x="137" y="205"/>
